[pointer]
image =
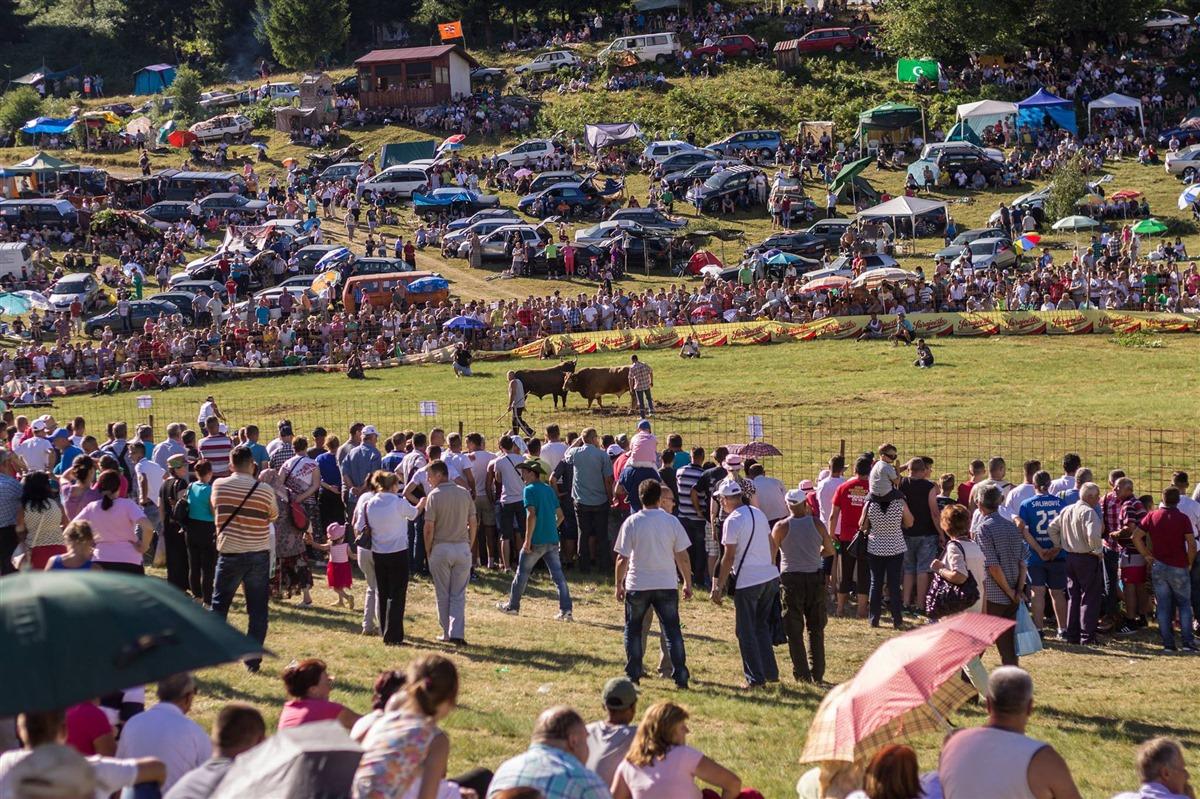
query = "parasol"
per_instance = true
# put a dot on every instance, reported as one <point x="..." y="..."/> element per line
<point x="874" y="278"/>
<point x="37" y="301"/>
<point x="326" y="279"/>
<point x="1189" y="197"/>
<point x="332" y="257"/>
<point x="315" y="760"/>
<point x="755" y="449"/>
<point x="1075" y="223"/>
<point x="464" y="323"/>
<point x="1125" y="194"/>
<point x="783" y="259"/>
<point x="827" y="283"/>
<point x="1149" y="227"/>
<point x="712" y="270"/>
<point x="427" y="284"/>
<point x="522" y="173"/>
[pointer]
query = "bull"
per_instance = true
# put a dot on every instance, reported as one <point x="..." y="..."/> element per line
<point x="540" y="382"/>
<point x="593" y="382"/>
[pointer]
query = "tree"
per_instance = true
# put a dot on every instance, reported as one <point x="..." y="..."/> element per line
<point x="1067" y="187"/>
<point x="12" y="24"/>
<point x="947" y="30"/>
<point x="185" y="91"/>
<point x="301" y="31"/>
<point x="18" y="107"/>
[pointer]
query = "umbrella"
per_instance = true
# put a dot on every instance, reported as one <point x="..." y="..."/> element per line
<point x="700" y="259"/>
<point x="464" y="323"/>
<point x="755" y="449"/>
<point x="328" y="278"/>
<point x="453" y="143"/>
<point x="873" y="278"/>
<point x="1027" y="242"/>
<point x="783" y="259"/>
<point x="909" y="685"/>
<point x="86" y="634"/>
<point x="317" y="759"/>
<point x="1189" y="196"/>
<point x="37" y="301"/>
<point x="181" y="138"/>
<point x="1149" y="227"/>
<point x="288" y="163"/>
<point x="332" y="257"/>
<point x="703" y="312"/>
<point x="522" y="173"/>
<point x="712" y="270"/>
<point x="13" y="303"/>
<point x="166" y="128"/>
<point x="1075" y="223"/>
<point x="828" y="283"/>
<point x="1125" y="194"/>
<point x="427" y="284"/>
<point x="139" y="125"/>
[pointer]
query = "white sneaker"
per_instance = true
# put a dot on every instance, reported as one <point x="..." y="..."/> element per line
<point x="504" y="608"/>
<point x="564" y="616"/>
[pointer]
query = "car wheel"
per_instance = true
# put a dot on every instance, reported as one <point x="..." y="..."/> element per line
<point x="743" y="53"/>
<point x="660" y="59"/>
<point x="838" y="48"/>
<point x="502" y="164"/>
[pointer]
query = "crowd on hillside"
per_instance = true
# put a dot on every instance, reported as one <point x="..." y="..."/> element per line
<point x="885" y="539"/>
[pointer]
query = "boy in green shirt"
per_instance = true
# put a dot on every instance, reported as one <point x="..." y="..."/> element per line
<point x="542" y="517"/>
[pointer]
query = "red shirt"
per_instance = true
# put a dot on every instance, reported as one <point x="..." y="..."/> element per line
<point x="306" y="711"/>
<point x="85" y="723"/>
<point x="1168" y="529"/>
<point x="850" y="499"/>
<point x="964" y="492"/>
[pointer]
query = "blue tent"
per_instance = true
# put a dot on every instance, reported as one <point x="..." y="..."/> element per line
<point x="153" y="79"/>
<point x="1033" y="111"/>
<point x="48" y="125"/>
<point x="963" y="132"/>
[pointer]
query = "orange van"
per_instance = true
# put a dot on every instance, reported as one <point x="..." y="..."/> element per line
<point x="379" y="289"/>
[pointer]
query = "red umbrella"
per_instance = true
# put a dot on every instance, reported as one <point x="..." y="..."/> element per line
<point x="701" y="259"/>
<point x="703" y="312"/>
<point x="909" y="685"/>
<point x="1124" y="194"/>
<point x="180" y="138"/>
<point x="755" y="449"/>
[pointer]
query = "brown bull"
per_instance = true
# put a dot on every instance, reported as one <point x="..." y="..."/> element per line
<point x="540" y="382"/>
<point x="594" y="382"/>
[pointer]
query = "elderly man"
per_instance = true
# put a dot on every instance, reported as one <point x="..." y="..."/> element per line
<point x="1004" y="555"/>
<point x="165" y="732"/>
<point x="1162" y="770"/>
<point x="554" y="762"/>
<point x="10" y="506"/>
<point x="803" y="543"/>
<point x="449" y="540"/>
<point x="1079" y="531"/>
<point x="360" y="462"/>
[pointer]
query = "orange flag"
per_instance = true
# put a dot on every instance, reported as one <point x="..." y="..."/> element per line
<point x="450" y="30"/>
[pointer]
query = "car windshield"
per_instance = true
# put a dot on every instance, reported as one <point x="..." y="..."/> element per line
<point x="982" y="248"/>
<point x="71" y="284"/>
<point x="713" y="182"/>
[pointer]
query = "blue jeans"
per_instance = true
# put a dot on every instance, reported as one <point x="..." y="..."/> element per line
<point x="525" y="567"/>
<point x="889" y="567"/>
<point x="752" y="606"/>
<point x="645" y="401"/>
<point x="252" y="569"/>
<point x="666" y="606"/>
<point x="1172" y="592"/>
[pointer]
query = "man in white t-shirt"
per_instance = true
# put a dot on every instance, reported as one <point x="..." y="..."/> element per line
<point x="1020" y="493"/>
<point x="553" y="448"/>
<point x="827" y="486"/>
<point x="149" y="476"/>
<point x="652" y="553"/>
<point x="165" y="732"/>
<point x="208" y="408"/>
<point x="36" y="450"/>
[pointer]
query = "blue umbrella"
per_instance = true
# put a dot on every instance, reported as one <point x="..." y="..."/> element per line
<point x="464" y="323"/>
<point x="783" y="259"/>
<point x="14" y="304"/>
<point x="427" y="284"/>
<point x="331" y="257"/>
<point x="1190" y="195"/>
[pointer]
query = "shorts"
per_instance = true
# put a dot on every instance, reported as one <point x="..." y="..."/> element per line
<point x="1133" y="568"/>
<point x="1049" y="573"/>
<point x="919" y="552"/>
<point x="712" y="547"/>
<point x="485" y="511"/>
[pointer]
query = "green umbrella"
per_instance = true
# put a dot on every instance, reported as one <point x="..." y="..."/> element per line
<point x="1149" y="227"/>
<point x="70" y="636"/>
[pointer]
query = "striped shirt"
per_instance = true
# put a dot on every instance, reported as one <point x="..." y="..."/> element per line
<point x="215" y="450"/>
<point x="886" y="537"/>
<point x="686" y="478"/>
<point x="248" y="531"/>
<point x="1002" y="546"/>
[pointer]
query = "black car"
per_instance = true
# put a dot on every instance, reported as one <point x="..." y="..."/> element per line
<point x="951" y="162"/>
<point x="141" y="311"/>
<point x="228" y="201"/>
<point x="307" y="257"/>
<point x="166" y="213"/>
<point x="725" y="183"/>
<point x="682" y="180"/>
<point x="182" y="300"/>
<point x="640" y="246"/>
<point x="648" y="218"/>
<point x="685" y="159"/>
<point x="799" y="243"/>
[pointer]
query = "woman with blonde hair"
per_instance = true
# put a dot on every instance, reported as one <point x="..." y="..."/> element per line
<point x="382" y="516"/>
<point x="660" y="763"/>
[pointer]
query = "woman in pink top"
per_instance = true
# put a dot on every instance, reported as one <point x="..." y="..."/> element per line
<point x="308" y="684"/>
<point x="119" y="526"/>
<point x="660" y="763"/>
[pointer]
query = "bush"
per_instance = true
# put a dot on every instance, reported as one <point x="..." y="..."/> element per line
<point x="262" y="113"/>
<point x="186" y="93"/>
<point x="1067" y="187"/>
<point x="18" y="107"/>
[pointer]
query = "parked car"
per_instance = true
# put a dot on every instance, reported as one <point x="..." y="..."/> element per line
<point x="829" y="231"/>
<point x="163" y="215"/>
<point x="659" y="151"/>
<point x="687" y="158"/>
<point x="272" y="296"/>
<point x="544" y="180"/>
<point x="232" y="126"/>
<point x="186" y="283"/>
<point x="217" y="99"/>
<point x="651" y="219"/>
<point x="279" y="91"/>
<point x="221" y="202"/>
<point x="525" y="153"/>
<point x="81" y="286"/>
<point x="1166" y="19"/>
<point x="738" y="44"/>
<point x="605" y="230"/>
<point x="182" y="300"/>
<point x="799" y="243"/>
<point x="549" y="62"/>
<point x="307" y="257"/>
<point x="398" y="182"/>
<point x="347" y="87"/>
<point x="344" y="169"/>
<point x="495" y="246"/>
<point x="578" y="196"/>
<point x="140" y="311"/>
<point x="486" y="74"/>
<point x="657" y="47"/>
<point x="680" y="181"/>
<point x="481" y="228"/>
<point x="42" y="213"/>
<point x="1032" y="203"/>
<point x="931" y="151"/>
<point x="764" y="142"/>
<point x="494" y="214"/>
<point x="474" y="200"/>
<point x="1186" y="136"/>
<point x="638" y="246"/>
<point x="876" y="260"/>
<point x="994" y="252"/>
<point x="724" y="183"/>
<point x="376" y="265"/>
<point x="970" y="163"/>
<point x="827" y="40"/>
<point x="1185" y="163"/>
<point x="966" y="237"/>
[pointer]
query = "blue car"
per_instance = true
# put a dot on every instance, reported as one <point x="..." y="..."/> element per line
<point x="576" y="195"/>
<point x="764" y="142"/>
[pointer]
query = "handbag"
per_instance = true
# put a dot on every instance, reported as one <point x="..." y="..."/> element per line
<point x="1028" y="641"/>
<point x="946" y="598"/>
<point x="363" y="541"/>
<point x="857" y="548"/>
<point x="299" y="515"/>
<point x="731" y="582"/>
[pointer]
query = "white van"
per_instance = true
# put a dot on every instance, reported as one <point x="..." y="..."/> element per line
<point x="656" y="47"/>
<point x="14" y="257"/>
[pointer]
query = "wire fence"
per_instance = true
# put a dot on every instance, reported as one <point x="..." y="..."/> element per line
<point x="807" y="438"/>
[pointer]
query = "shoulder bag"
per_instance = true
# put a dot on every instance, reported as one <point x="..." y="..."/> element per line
<point x="363" y="541"/>
<point x="857" y="548"/>
<point x="296" y="509"/>
<point x="731" y="583"/>
<point x="946" y="598"/>
<point x="238" y="509"/>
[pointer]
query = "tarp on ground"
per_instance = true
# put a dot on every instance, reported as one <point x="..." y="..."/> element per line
<point x="1037" y="108"/>
<point x="48" y="125"/>
<point x="849" y="172"/>
<point x="153" y="79"/>
<point x="404" y="152"/>
<point x="1115" y="101"/>
<point x="603" y="135"/>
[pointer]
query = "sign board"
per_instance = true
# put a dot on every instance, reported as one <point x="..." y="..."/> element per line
<point x="754" y="427"/>
<point x="427" y="408"/>
<point x="144" y="401"/>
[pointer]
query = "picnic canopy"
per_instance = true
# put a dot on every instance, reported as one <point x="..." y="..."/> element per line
<point x="985" y="113"/>
<point x="41" y="163"/>
<point x="903" y="208"/>
<point x="610" y="133"/>
<point x="153" y="79"/>
<point x="406" y="152"/>
<point x="889" y="116"/>
<point x="1115" y="101"/>
<point x="655" y="5"/>
<point x="848" y="173"/>
<point x="1034" y="110"/>
<point x="47" y="125"/>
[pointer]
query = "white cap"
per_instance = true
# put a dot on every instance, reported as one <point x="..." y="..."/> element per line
<point x="615" y="450"/>
<point x="730" y="488"/>
<point x="38" y="424"/>
<point x="370" y="430"/>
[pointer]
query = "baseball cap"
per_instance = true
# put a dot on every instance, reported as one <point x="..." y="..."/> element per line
<point x="807" y="486"/>
<point x="797" y="496"/>
<point x="531" y="466"/>
<point x="619" y="693"/>
<point x="615" y="450"/>
<point x="733" y="461"/>
<point x="60" y="433"/>
<point x="176" y="461"/>
<point x="38" y="424"/>
<point x="370" y="430"/>
<point x="730" y="488"/>
<point x="644" y="425"/>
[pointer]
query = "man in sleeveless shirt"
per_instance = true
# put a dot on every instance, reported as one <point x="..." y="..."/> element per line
<point x="803" y="543"/>
<point x="998" y="760"/>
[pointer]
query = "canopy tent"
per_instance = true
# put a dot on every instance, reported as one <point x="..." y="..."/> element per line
<point x="1115" y="101"/>
<point x="904" y="208"/>
<point x="655" y="5"/>
<point x="848" y="173"/>
<point x="47" y="125"/>
<point x="1037" y="108"/>
<point x="41" y="164"/>
<point x="153" y="79"/>
<point x="44" y="75"/>
<point x="985" y="113"/>
<point x="886" y="117"/>
<point x="964" y="132"/>
<point x="598" y="136"/>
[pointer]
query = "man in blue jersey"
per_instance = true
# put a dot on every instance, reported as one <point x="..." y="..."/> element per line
<point x="1047" y="563"/>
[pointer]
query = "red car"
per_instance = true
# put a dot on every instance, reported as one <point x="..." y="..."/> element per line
<point x="825" y="40"/>
<point x="736" y="45"/>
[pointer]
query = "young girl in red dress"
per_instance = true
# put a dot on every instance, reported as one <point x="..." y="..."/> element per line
<point x="337" y="572"/>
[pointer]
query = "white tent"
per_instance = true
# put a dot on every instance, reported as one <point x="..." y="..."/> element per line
<point x="903" y="208"/>
<point x="1113" y="101"/>
<point x="985" y="113"/>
